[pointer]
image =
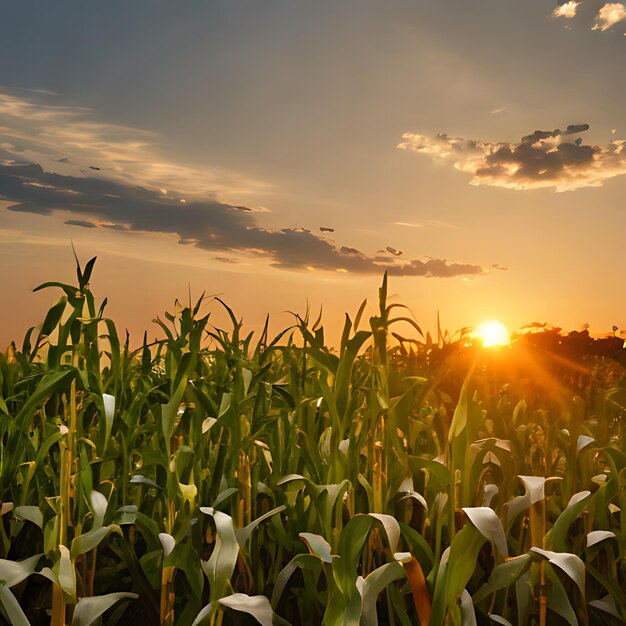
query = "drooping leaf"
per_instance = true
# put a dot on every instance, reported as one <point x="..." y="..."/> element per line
<point x="318" y="546"/>
<point x="257" y="606"/>
<point x="489" y="525"/>
<point x="12" y="607"/>
<point x="569" y="563"/>
<point x="88" y="610"/>
<point x="30" y="514"/>
<point x="608" y="605"/>
<point x="596" y="536"/>
<point x="14" y="572"/>
<point x="89" y="540"/>
<point x="168" y="542"/>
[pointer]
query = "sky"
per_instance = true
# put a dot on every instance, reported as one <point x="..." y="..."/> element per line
<point x="284" y="154"/>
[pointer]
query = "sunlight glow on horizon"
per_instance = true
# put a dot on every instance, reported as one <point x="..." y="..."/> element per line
<point x="492" y="333"/>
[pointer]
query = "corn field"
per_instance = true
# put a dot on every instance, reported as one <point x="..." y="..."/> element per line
<point x="214" y="477"/>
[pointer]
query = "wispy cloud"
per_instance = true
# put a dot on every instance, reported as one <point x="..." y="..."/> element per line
<point x="566" y="9"/>
<point x="609" y="15"/>
<point x="70" y="140"/>
<point x="408" y="224"/>
<point x="541" y="160"/>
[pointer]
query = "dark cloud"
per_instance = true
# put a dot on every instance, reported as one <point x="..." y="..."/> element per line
<point x="81" y="223"/>
<point x="346" y="250"/>
<point x="543" y="159"/>
<point x="574" y="129"/>
<point x="207" y="224"/>
<point x="393" y="251"/>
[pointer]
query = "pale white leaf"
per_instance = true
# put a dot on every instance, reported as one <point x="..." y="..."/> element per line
<point x="168" y="542"/>
<point x="490" y="526"/>
<point x="490" y="491"/>
<point x="607" y="604"/>
<point x="571" y="564"/>
<point x="257" y="606"/>
<point x="583" y="442"/>
<point x="596" y="536"/>
<point x="577" y="497"/>
<point x="468" y="614"/>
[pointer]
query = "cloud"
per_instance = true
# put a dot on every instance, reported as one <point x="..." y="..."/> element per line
<point x="541" y="160"/>
<point x="407" y="224"/>
<point x="609" y="15"/>
<point x="81" y="223"/>
<point x="206" y="223"/>
<point x="70" y="140"/>
<point x="566" y="10"/>
<point x="60" y="160"/>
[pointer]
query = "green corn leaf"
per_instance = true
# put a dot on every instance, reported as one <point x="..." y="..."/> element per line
<point x="12" y="608"/>
<point x="571" y="564"/>
<point x="14" y="572"/>
<point x="318" y="546"/>
<point x="65" y="572"/>
<point x="468" y="614"/>
<point x="30" y="514"/>
<point x="88" y="610"/>
<point x="257" y="606"/>
<point x="504" y="575"/>
<point x="185" y="558"/>
<point x="91" y="539"/>
<point x="373" y="585"/>
<point x="98" y="505"/>
<point x="301" y="561"/>
<point x="243" y="534"/>
<point x="221" y="565"/>
<point x="557" y="538"/>
<point x="608" y="605"/>
<point x="109" y="415"/>
<point x="457" y="566"/>
<point x="596" y="536"/>
<point x="559" y="601"/>
<point x="489" y="525"/>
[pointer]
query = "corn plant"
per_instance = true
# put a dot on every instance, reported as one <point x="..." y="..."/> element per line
<point x="214" y="477"/>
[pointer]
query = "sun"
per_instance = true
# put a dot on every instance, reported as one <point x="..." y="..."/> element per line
<point x="492" y="333"/>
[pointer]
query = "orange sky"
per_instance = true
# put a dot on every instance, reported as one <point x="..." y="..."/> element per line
<point x="240" y="130"/>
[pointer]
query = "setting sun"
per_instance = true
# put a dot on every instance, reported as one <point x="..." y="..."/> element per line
<point x="492" y="333"/>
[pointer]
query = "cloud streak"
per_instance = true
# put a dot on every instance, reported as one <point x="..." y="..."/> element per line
<point x="541" y="160"/>
<point x="205" y="223"/>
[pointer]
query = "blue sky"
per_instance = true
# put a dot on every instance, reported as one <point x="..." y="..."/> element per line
<point x="239" y="120"/>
